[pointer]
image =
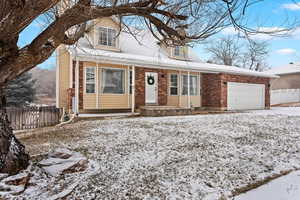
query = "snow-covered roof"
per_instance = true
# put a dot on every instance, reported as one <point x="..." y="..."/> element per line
<point x="286" y="69"/>
<point x="144" y="51"/>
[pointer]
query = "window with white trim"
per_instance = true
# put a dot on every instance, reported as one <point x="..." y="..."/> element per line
<point x="194" y="85"/>
<point x="113" y="81"/>
<point x="130" y="82"/>
<point x="173" y="84"/>
<point x="90" y="81"/>
<point x="178" y="51"/>
<point x="107" y="36"/>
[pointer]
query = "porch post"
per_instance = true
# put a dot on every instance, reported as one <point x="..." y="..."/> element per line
<point x="189" y="95"/>
<point x="77" y="87"/>
<point x="133" y="90"/>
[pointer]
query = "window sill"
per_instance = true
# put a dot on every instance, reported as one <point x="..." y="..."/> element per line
<point x="109" y="48"/>
<point x="180" y="58"/>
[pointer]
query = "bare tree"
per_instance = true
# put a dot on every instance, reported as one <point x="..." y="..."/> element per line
<point x="225" y="51"/>
<point x="67" y="22"/>
<point x="255" y="55"/>
<point x="240" y="52"/>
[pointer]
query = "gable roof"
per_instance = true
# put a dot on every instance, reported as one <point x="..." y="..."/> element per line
<point x="144" y="51"/>
<point x="286" y="69"/>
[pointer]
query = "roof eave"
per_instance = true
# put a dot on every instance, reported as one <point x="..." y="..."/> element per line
<point x="143" y="63"/>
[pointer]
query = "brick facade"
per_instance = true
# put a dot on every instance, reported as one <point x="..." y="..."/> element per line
<point x="214" y="88"/>
<point x="140" y="86"/>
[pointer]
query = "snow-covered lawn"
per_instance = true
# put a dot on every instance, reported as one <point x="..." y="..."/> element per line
<point x="175" y="158"/>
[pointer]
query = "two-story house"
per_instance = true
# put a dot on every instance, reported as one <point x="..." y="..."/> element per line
<point x="110" y="71"/>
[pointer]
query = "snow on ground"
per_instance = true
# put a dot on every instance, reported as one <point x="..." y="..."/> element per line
<point x="284" y="188"/>
<point x="186" y="157"/>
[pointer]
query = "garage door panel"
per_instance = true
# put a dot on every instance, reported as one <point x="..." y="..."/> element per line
<point x="245" y="96"/>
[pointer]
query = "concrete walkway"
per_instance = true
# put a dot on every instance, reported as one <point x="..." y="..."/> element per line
<point x="99" y="115"/>
<point x="284" y="188"/>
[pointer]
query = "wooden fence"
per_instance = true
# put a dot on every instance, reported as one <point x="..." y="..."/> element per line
<point x="33" y="117"/>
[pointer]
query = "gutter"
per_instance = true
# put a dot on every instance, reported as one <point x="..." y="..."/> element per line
<point x="145" y="63"/>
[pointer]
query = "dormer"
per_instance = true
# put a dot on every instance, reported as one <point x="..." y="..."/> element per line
<point x="179" y="52"/>
<point x="105" y="34"/>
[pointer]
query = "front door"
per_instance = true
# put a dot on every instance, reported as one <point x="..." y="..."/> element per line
<point x="151" y="87"/>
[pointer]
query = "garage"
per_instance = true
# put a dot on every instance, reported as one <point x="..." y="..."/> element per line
<point x="243" y="96"/>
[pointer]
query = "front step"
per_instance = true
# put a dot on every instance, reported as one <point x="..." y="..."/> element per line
<point x="157" y="111"/>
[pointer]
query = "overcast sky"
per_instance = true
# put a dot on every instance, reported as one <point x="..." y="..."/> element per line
<point x="266" y="15"/>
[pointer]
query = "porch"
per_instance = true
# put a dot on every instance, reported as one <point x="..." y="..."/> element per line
<point x="114" y="88"/>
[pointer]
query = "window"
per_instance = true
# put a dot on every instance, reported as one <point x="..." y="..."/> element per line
<point x="107" y="36"/>
<point x="178" y="51"/>
<point x="113" y="81"/>
<point x="173" y="84"/>
<point x="130" y="82"/>
<point x="90" y="80"/>
<point x="194" y="85"/>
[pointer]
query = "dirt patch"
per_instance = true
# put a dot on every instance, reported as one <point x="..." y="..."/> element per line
<point x="40" y="141"/>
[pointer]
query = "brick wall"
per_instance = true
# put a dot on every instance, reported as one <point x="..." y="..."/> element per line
<point x="214" y="88"/>
<point x="211" y="90"/>
<point x="140" y="86"/>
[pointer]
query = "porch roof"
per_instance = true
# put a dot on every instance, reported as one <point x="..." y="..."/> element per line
<point x="97" y="55"/>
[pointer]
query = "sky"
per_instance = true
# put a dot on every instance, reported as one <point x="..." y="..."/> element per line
<point x="268" y="14"/>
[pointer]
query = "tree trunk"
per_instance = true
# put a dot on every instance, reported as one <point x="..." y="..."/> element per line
<point x="12" y="153"/>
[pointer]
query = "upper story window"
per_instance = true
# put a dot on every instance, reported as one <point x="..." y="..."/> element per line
<point x="107" y="36"/>
<point x="178" y="51"/>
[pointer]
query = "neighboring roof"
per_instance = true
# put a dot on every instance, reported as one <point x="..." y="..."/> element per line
<point x="144" y="51"/>
<point x="286" y="69"/>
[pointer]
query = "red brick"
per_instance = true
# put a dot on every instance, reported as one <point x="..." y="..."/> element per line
<point x="140" y="86"/>
<point x="214" y="88"/>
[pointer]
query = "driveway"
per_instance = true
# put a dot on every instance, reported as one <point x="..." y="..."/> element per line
<point x="186" y="157"/>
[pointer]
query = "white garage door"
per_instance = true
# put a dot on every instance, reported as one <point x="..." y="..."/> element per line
<point x="245" y="96"/>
